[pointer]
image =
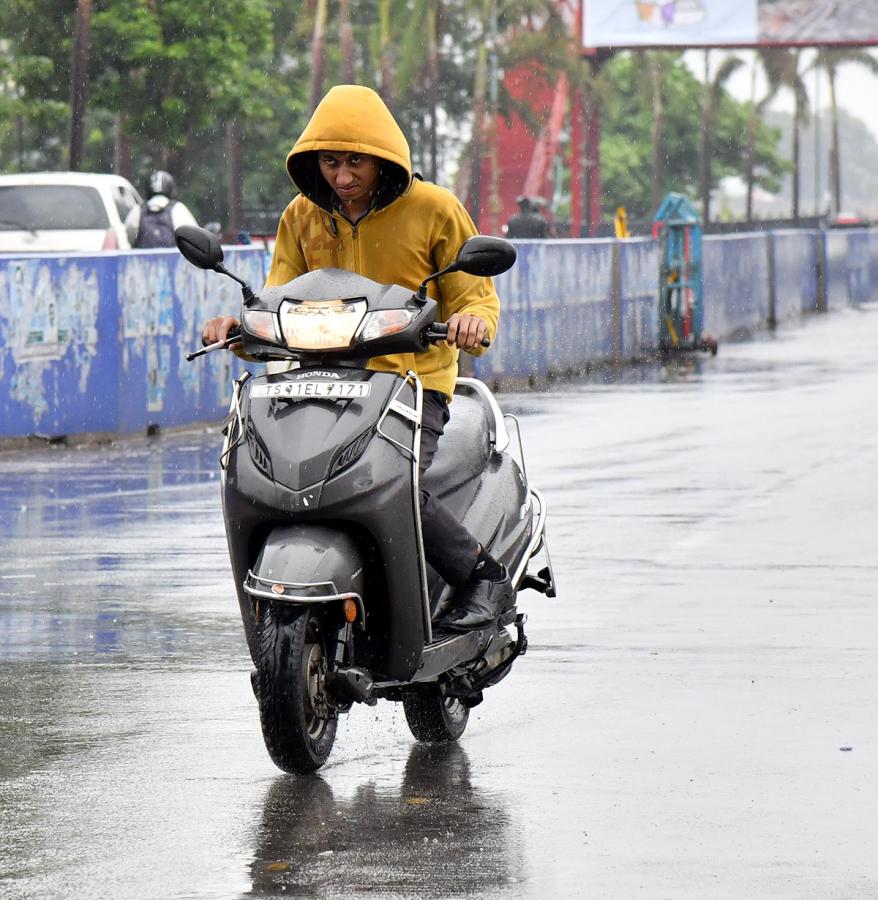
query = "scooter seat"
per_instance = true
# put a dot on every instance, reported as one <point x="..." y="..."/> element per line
<point x="464" y="448"/>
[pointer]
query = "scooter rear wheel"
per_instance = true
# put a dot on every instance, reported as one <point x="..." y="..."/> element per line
<point x="435" y="719"/>
<point x="297" y="724"/>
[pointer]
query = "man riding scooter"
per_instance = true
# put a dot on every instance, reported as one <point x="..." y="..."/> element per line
<point x="360" y="208"/>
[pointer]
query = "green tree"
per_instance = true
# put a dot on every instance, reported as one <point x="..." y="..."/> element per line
<point x="318" y="53"/>
<point x="712" y="91"/>
<point x="162" y="83"/>
<point x="167" y="90"/>
<point x="831" y="59"/>
<point x="655" y="69"/>
<point x="627" y="146"/>
<point x="801" y="116"/>
<point x="35" y="57"/>
<point x="775" y="64"/>
<point x="169" y="75"/>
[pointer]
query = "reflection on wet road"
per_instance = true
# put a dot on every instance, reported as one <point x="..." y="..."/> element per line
<point x="675" y="729"/>
<point x="428" y="834"/>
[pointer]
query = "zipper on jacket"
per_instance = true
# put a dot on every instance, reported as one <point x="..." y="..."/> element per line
<point x="355" y="230"/>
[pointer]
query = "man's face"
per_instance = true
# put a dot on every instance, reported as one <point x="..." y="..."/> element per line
<point x="353" y="176"/>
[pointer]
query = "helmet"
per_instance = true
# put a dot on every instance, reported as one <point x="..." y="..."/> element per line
<point x="161" y="183"/>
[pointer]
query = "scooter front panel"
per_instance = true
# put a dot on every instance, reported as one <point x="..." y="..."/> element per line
<point x="370" y="488"/>
<point x="306" y="420"/>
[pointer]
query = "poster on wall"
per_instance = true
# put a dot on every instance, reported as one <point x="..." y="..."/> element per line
<point x="717" y="23"/>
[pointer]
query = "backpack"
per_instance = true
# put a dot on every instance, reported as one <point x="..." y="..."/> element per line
<point x="156" y="228"/>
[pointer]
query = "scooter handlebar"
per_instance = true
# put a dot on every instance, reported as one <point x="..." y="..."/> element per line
<point x="438" y="331"/>
<point x="232" y="338"/>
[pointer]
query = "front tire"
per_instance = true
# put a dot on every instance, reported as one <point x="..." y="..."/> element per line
<point x="434" y="718"/>
<point x="298" y="723"/>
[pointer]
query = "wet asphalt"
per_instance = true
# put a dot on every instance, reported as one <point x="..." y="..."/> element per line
<point x="697" y="715"/>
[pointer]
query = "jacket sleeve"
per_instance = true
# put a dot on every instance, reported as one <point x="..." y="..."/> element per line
<point x="181" y="215"/>
<point x="288" y="260"/>
<point x="132" y="224"/>
<point x="458" y="292"/>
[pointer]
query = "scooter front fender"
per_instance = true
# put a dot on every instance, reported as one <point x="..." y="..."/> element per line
<point x="316" y="562"/>
<point x="305" y="564"/>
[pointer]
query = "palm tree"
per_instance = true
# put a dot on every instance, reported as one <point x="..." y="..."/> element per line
<point x="79" y="81"/>
<point x="346" y="42"/>
<point x="656" y="68"/>
<point x="830" y="59"/>
<point x="801" y="115"/>
<point x="318" y="54"/>
<point x="385" y="52"/>
<point x="713" y="90"/>
<point x="416" y="74"/>
<point x="783" y="70"/>
<point x="773" y="62"/>
<point x="235" y="175"/>
<point x="433" y="85"/>
<point x="480" y="97"/>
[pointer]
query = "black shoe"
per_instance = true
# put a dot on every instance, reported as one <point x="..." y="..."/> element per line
<point x="479" y="603"/>
<point x="442" y="610"/>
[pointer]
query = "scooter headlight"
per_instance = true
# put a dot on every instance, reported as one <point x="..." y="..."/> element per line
<point x="384" y="322"/>
<point x="321" y="324"/>
<point x="263" y="324"/>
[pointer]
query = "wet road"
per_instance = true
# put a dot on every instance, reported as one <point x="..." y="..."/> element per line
<point x="679" y="728"/>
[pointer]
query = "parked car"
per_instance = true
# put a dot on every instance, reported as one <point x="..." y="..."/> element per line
<point x="849" y="220"/>
<point x="61" y="211"/>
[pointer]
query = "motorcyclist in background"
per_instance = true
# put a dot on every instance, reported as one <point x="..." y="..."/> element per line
<point x="152" y="224"/>
<point x="527" y="223"/>
<point x="360" y="208"/>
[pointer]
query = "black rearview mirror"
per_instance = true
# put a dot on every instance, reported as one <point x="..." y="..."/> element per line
<point x="479" y="255"/>
<point x="199" y="246"/>
<point x="203" y="249"/>
<point x="486" y="256"/>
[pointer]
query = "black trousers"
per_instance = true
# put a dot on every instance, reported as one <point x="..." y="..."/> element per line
<point x="450" y="549"/>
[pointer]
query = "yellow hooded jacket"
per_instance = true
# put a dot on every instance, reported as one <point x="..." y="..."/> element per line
<point x="413" y="229"/>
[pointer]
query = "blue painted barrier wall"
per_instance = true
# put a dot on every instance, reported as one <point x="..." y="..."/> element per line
<point x="98" y="343"/>
<point x="557" y="309"/>
<point x="794" y="285"/>
<point x="735" y="283"/>
<point x="837" y="294"/>
<point x="638" y="290"/>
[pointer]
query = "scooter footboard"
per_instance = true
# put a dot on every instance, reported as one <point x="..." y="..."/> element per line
<point x="307" y="563"/>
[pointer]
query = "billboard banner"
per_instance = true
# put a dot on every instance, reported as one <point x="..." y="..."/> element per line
<point x="715" y="23"/>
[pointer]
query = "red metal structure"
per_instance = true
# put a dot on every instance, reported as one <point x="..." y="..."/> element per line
<point x="520" y="162"/>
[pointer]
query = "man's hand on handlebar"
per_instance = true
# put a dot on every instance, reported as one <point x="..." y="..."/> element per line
<point x="466" y="331"/>
<point x="216" y="330"/>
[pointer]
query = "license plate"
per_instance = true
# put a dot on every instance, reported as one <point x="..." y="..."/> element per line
<point x="296" y="390"/>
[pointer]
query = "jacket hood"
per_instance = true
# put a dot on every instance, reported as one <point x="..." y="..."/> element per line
<point x="352" y="119"/>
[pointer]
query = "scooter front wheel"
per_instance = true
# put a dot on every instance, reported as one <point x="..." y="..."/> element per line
<point x="298" y="725"/>
<point x="434" y="718"/>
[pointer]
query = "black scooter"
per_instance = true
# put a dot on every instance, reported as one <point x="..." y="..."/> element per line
<point x="320" y="499"/>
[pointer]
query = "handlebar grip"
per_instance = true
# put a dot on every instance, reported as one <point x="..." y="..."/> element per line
<point x="438" y="331"/>
<point x="231" y="337"/>
<point x="233" y="332"/>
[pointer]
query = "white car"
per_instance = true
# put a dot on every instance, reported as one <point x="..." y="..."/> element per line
<point x="64" y="211"/>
